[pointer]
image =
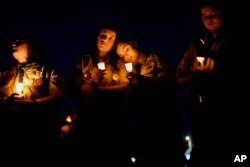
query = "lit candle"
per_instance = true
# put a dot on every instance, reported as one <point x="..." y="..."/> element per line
<point x="101" y="66"/>
<point x="68" y="119"/>
<point x="129" y="67"/>
<point x="19" y="87"/>
<point x="201" y="60"/>
<point x="115" y="76"/>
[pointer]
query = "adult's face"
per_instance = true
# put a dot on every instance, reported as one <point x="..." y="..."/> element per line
<point x="105" y="40"/>
<point x="211" y="18"/>
<point x="127" y="52"/>
<point x="21" y="52"/>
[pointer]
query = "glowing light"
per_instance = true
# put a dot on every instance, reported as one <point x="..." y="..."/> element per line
<point x="188" y="156"/>
<point x="68" y="119"/>
<point x="202" y="41"/>
<point x="201" y="60"/>
<point x="19" y="87"/>
<point x="133" y="159"/>
<point x="101" y="66"/>
<point x="187" y="138"/>
<point x="86" y="76"/>
<point x="200" y="99"/>
<point x="129" y="67"/>
<point x="115" y="77"/>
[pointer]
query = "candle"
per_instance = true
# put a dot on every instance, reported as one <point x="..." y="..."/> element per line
<point x="101" y="66"/>
<point x="19" y="87"/>
<point x="129" y="67"/>
<point x="201" y="60"/>
<point x="68" y="119"/>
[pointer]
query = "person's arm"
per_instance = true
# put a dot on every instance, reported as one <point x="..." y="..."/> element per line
<point x="56" y="93"/>
<point x="79" y="80"/>
<point x="156" y="72"/>
<point x="117" y="83"/>
<point x="121" y="84"/>
<point x="2" y="98"/>
<point x="57" y="87"/>
<point x="184" y="70"/>
<point x="48" y="99"/>
<point x="190" y="70"/>
<point x="6" y="95"/>
<point x="119" y="87"/>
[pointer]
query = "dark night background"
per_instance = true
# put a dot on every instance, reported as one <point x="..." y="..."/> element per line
<point x="66" y="27"/>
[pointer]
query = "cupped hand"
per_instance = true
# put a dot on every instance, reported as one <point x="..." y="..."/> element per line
<point x="207" y="66"/>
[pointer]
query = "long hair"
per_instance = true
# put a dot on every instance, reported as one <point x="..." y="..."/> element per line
<point x="134" y="42"/>
<point x="93" y="50"/>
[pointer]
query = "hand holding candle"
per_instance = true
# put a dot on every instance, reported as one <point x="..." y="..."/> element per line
<point x="201" y="60"/>
<point x="19" y="90"/>
<point x="205" y="64"/>
<point x="129" y="67"/>
<point x="19" y="87"/>
<point x="101" y="66"/>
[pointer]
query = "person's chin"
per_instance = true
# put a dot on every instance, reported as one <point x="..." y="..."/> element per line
<point x="23" y="61"/>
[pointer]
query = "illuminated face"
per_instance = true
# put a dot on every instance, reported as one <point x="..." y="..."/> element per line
<point x="127" y="52"/>
<point x="105" y="40"/>
<point x="21" y="52"/>
<point x="211" y="18"/>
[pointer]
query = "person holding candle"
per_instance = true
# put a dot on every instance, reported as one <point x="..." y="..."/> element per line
<point x="143" y="69"/>
<point x="97" y="88"/>
<point x="151" y="84"/>
<point x="96" y="69"/>
<point x="201" y="73"/>
<point x="31" y="94"/>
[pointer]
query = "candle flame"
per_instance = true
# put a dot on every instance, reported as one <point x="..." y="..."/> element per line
<point x="101" y="66"/>
<point x="19" y="87"/>
<point x="68" y="119"/>
<point x="129" y="67"/>
<point x="200" y="59"/>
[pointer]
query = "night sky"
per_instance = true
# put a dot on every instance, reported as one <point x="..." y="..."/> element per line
<point x="66" y="28"/>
